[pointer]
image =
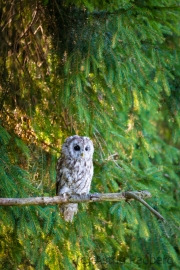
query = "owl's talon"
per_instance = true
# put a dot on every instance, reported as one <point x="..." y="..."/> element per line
<point x="94" y="196"/>
<point x="64" y="196"/>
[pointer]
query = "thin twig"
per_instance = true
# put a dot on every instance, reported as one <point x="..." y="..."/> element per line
<point x="130" y="195"/>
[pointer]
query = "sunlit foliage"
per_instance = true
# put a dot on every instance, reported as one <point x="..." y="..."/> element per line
<point x="105" y="69"/>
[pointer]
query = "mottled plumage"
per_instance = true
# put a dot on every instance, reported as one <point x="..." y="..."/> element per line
<point x="74" y="171"/>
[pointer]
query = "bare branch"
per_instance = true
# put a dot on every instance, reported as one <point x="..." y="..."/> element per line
<point x="130" y="195"/>
<point x="95" y="197"/>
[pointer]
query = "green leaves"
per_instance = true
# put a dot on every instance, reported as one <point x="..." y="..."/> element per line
<point x="4" y="136"/>
<point x="108" y="70"/>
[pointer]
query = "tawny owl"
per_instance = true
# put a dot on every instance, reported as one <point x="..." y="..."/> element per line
<point x="74" y="171"/>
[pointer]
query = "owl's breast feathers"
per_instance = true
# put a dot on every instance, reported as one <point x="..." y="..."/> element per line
<point x="73" y="176"/>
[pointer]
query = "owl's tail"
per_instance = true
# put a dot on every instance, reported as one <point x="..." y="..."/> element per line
<point x="68" y="211"/>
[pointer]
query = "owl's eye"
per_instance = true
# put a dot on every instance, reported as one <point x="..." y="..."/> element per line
<point x="77" y="148"/>
<point x="87" y="148"/>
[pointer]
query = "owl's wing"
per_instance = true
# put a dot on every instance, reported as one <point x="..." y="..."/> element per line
<point x="59" y="175"/>
<point x="63" y="177"/>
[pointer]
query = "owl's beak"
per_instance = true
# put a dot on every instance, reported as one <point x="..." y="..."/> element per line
<point x="82" y="154"/>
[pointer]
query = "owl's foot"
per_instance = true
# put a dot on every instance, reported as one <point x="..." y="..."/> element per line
<point x="78" y="196"/>
<point x="64" y="196"/>
<point x="94" y="196"/>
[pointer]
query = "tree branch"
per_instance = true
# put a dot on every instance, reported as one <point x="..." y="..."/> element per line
<point x="130" y="194"/>
<point x="95" y="197"/>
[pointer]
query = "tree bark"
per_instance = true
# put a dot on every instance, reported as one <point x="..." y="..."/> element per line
<point x="95" y="197"/>
<point x="73" y="198"/>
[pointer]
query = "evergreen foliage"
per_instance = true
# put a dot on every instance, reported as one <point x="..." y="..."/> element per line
<point x="104" y="69"/>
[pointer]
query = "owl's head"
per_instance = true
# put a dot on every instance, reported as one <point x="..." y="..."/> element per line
<point x="77" y="147"/>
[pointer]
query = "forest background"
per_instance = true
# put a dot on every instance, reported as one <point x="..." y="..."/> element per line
<point x="109" y="70"/>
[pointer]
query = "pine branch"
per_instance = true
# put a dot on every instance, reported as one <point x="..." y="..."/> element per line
<point x="122" y="10"/>
<point x="96" y="197"/>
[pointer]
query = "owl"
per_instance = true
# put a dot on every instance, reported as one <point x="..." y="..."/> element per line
<point x="74" y="171"/>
